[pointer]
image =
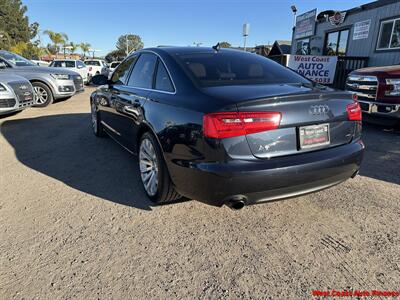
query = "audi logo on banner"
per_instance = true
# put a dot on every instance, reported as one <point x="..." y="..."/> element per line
<point x="319" y="109"/>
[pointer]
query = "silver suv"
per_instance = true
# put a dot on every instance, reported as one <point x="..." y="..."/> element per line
<point x="16" y="93"/>
<point x="49" y="83"/>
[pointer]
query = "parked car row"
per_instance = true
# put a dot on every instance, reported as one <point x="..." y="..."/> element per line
<point x="48" y="83"/>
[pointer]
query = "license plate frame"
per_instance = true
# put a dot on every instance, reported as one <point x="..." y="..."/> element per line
<point x="314" y="136"/>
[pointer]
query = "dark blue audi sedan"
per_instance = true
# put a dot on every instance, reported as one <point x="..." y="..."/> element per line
<point x="227" y="127"/>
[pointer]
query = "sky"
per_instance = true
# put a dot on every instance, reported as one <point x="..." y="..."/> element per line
<point x="173" y="22"/>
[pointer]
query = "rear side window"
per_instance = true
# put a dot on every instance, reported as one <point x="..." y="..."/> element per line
<point x="92" y="63"/>
<point x="163" y="81"/>
<point x="142" y="73"/>
<point x="120" y="75"/>
<point x="235" y="68"/>
<point x="80" y="64"/>
<point x="63" y="64"/>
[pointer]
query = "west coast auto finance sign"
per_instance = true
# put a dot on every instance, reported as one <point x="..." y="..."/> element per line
<point x="320" y="69"/>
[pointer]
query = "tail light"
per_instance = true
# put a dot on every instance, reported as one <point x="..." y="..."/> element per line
<point x="354" y="111"/>
<point x="229" y="124"/>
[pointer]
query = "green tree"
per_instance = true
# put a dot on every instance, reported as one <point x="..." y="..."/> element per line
<point x="13" y="21"/>
<point x="130" y="42"/>
<point x="115" y="55"/>
<point x="73" y="47"/>
<point x="57" y="38"/>
<point x="225" y="45"/>
<point x="5" y="40"/>
<point x="85" y="48"/>
<point x="33" y="30"/>
<point x="51" y="49"/>
<point x="28" y="50"/>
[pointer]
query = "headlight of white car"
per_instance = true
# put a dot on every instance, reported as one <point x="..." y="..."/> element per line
<point x="2" y="88"/>
<point x="393" y="87"/>
<point x="60" y="76"/>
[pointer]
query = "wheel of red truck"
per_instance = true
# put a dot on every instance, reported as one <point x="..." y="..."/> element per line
<point x="153" y="171"/>
<point x="43" y="94"/>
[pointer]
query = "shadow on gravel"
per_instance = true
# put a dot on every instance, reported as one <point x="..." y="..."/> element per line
<point x="382" y="156"/>
<point x="64" y="148"/>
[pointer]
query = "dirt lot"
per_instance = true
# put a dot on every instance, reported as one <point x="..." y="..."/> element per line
<point x="75" y="223"/>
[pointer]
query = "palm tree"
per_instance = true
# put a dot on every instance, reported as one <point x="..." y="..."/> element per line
<point x="58" y="38"/>
<point x="85" y="48"/>
<point x="73" y="47"/>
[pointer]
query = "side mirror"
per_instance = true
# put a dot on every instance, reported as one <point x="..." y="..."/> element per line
<point x="99" y="79"/>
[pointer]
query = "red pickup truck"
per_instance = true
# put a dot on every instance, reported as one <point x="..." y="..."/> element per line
<point x="378" y="90"/>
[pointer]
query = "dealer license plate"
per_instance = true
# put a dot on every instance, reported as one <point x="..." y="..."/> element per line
<point x="314" y="136"/>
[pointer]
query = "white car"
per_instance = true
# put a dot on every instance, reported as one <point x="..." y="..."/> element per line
<point x="40" y="63"/>
<point x="96" y="67"/>
<point x="113" y="65"/>
<point x="75" y="65"/>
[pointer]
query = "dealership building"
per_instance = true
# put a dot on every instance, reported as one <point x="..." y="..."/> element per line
<point x="369" y="33"/>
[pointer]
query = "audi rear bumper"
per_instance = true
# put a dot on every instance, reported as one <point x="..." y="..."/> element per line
<point x="268" y="179"/>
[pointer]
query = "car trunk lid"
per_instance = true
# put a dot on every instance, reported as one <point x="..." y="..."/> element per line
<point x="311" y="118"/>
<point x="310" y="122"/>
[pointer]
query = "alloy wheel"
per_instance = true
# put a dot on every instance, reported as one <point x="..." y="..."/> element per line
<point x="41" y="95"/>
<point x="148" y="167"/>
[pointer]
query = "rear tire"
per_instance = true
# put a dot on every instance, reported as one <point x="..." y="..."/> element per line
<point x="43" y="94"/>
<point x="98" y="129"/>
<point x="153" y="172"/>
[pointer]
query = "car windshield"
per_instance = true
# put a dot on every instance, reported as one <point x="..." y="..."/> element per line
<point x="92" y="63"/>
<point x="63" y="64"/>
<point x="15" y="59"/>
<point x="234" y="68"/>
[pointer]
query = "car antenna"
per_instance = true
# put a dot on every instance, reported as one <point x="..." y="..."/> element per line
<point x="216" y="47"/>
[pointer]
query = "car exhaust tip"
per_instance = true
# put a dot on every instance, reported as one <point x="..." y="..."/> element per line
<point x="236" y="203"/>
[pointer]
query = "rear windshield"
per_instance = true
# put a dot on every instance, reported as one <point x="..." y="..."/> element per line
<point x="235" y="68"/>
<point x="63" y="64"/>
<point x="92" y="63"/>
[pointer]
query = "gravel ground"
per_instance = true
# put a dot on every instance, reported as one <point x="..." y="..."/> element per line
<point x="75" y="223"/>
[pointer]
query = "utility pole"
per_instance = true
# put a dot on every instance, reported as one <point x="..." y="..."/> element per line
<point x="246" y="30"/>
<point x="294" y="10"/>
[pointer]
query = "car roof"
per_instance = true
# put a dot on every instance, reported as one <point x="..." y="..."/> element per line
<point x="66" y="59"/>
<point x="173" y="50"/>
